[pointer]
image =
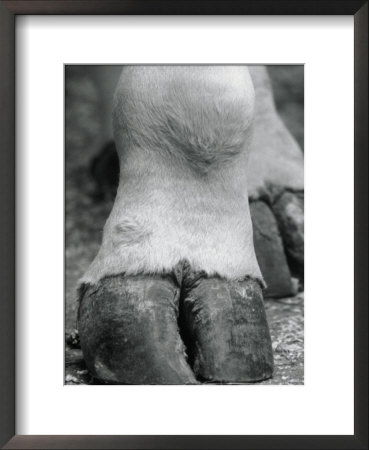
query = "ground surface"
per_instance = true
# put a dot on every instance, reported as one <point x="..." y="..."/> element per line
<point x="85" y="218"/>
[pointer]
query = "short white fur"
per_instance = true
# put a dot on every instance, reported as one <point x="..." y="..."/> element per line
<point x="183" y="135"/>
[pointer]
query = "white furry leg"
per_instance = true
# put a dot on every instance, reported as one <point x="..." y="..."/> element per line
<point x="183" y="135"/>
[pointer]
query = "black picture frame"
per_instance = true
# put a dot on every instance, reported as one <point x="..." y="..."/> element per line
<point x="8" y="12"/>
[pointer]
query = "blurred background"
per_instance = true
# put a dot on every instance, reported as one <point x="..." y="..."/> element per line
<point x="87" y="124"/>
<point x="288" y="88"/>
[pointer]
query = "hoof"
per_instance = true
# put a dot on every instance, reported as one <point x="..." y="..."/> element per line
<point x="289" y="211"/>
<point x="228" y="331"/>
<point x="270" y="252"/>
<point x="129" y="330"/>
<point x="129" y="333"/>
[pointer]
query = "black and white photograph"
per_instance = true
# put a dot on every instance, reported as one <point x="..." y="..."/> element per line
<point x="157" y="241"/>
<point x="184" y="224"/>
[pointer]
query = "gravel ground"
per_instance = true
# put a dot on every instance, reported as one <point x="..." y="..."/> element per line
<point x="85" y="218"/>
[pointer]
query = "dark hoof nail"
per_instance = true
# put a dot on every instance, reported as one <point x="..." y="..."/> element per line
<point x="129" y="333"/>
<point x="227" y="324"/>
